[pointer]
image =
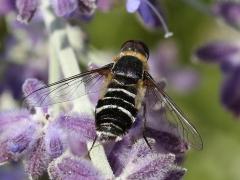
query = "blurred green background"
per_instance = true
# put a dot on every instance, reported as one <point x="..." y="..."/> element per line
<point x="220" y="159"/>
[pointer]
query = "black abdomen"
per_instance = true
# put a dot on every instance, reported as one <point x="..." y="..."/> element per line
<point x="116" y="112"/>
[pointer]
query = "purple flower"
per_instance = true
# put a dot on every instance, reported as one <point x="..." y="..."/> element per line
<point x="23" y="8"/>
<point x="40" y="137"/>
<point x="37" y="160"/>
<point x="19" y="134"/>
<point x="138" y="161"/>
<point x="54" y="137"/>
<point x="217" y="52"/>
<point x="164" y="140"/>
<point x="26" y="9"/>
<point x="55" y="140"/>
<point x="229" y="12"/>
<point x="83" y="128"/>
<point x="168" y="142"/>
<point x="184" y="80"/>
<point x="146" y="10"/>
<point x="8" y="118"/>
<point x="68" y="8"/>
<point x="149" y="12"/>
<point x="230" y="91"/>
<point x="227" y="55"/>
<point x="163" y="65"/>
<point x="67" y="167"/>
<point x="48" y="142"/>
<point x="129" y="161"/>
<point x="167" y="136"/>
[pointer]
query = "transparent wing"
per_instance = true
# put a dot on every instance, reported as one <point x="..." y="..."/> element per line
<point x="67" y="89"/>
<point x="174" y="115"/>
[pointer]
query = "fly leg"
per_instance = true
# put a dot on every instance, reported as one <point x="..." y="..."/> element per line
<point x="94" y="141"/>
<point x="144" y="125"/>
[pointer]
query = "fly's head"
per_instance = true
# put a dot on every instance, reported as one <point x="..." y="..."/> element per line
<point x="135" y="46"/>
<point x="136" y="49"/>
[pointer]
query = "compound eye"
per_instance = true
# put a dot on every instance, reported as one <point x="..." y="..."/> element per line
<point x="136" y="45"/>
<point x="142" y="48"/>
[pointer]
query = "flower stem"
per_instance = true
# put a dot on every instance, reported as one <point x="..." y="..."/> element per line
<point x="59" y="40"/>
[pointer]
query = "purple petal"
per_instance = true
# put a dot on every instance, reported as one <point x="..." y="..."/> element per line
<point x="229" y="12"/>
<point x="77" y="147"/>
<point x="166" y="134"/>
<point x="218" y="52"/>
<point x="17" y="140"/>
<point x="55" y="140"/>
<point x="140" y="150"/>
<point x="7" y="6"/>
<point x="29" y="86"/>
<point x="132" y="5"/>
<point x="26" y="9"/>
<point x="184" y="80"/>
<point x="105" y="5"/>
<point x="10" y="118"/>
<point x="23" y="140"/>
<point x="163" y="59"/>
<point x="119" y="155"/>
<point x="230" y="96"/>
<point x="124" y="152"/>
<point x="72" y="168"/>
<point x="148" y="15"/>
<point x="79" y="125"/>
<point x="37" y="160"/>
<point x="64" y="7"/>
<point x="151" y="167"/>
<point x="167" y="142"/>
<point x="231" y="65"/>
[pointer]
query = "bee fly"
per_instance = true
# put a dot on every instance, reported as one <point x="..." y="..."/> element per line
<point x="128" y="85"/>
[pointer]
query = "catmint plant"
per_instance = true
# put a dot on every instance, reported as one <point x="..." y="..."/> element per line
<point x="38" y="137"/>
